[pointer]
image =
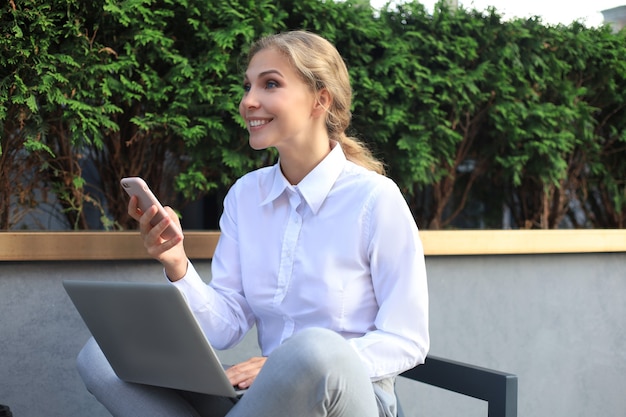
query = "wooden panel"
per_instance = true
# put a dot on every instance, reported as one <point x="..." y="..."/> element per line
<point x="40" y="246"/>
<point x="500" y="242"/>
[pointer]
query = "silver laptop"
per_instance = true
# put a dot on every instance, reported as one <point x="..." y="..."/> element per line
<point x="149" y="335"/>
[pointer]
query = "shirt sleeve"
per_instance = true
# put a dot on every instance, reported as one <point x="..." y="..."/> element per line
<point x="400" y="339"/>
<point x="220" y="307"/>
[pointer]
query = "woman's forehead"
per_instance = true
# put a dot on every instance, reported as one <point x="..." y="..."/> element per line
<point x="269" y="60"/>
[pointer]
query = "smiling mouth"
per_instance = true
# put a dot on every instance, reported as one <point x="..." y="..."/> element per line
<point x="257" y="123"/>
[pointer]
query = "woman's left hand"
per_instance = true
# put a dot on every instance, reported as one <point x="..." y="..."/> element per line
<point x="243" y="374"/>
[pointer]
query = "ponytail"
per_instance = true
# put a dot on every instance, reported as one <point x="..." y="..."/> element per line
<point x="357" y="152"/>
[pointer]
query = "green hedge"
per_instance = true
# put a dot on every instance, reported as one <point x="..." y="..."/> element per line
<point x="469" y="112"/>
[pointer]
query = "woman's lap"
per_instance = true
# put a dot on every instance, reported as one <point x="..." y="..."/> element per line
<point x="313" y="373"/>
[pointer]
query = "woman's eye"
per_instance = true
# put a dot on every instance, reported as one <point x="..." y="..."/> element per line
<point x="246" y="87"/>
<point x="271" y="84"/>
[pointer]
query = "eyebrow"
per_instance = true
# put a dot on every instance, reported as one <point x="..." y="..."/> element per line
<point x="264" y="73"/>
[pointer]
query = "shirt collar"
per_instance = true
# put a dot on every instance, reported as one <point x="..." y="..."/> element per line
<point x="316" y="185"/>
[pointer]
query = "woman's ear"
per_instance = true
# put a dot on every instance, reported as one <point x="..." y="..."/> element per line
<point x="322" y="102"/>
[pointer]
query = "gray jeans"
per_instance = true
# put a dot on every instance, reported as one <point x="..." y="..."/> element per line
<point x="314" y="373"/>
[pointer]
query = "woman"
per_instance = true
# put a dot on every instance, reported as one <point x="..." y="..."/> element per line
<point x="319" y="251"/>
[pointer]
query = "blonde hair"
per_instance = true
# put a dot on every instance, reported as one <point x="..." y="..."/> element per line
<point x="321" y="67"/>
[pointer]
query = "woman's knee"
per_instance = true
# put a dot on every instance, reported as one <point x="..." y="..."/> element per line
<point x="317" y="349"/>
<point x="318" y="367"/>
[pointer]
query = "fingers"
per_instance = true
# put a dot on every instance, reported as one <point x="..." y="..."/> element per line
<point x="166" y="247"/>
<point x="133" y="210"/>
<point x="154" y="241"/>
<point x="243" y="374"/>
<point x="172" y="214"/>
<point x="152" y="236"/>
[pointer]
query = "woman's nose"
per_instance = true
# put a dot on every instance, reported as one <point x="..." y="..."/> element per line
<point x="249" y="99"/>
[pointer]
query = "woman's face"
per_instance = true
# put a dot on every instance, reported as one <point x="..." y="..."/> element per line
<point x="277" y="105"/>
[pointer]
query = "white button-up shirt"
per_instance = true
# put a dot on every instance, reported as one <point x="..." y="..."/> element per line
<point x="340" y="251"/>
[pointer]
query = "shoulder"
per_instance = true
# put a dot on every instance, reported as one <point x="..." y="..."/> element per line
<point x="378" y="195"/>
<point x="367" y="181"/>
<point x="251" y="185"/>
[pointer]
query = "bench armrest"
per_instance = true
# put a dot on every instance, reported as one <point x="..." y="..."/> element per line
<point x="499" y="389"/>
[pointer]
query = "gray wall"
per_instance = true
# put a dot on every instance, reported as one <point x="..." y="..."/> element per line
<point x="557" y="321"/>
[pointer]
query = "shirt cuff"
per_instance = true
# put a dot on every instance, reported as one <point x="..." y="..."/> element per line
<point x="193" y="288"/>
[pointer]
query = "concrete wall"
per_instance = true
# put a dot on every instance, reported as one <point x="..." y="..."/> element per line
<point x="557" y="321"/>
<point x="616" y="17"/>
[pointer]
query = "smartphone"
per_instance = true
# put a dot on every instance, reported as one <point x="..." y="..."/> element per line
<point x="135" y="186"/>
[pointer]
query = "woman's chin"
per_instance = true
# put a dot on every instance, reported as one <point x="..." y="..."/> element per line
<point x="258" y="145"/>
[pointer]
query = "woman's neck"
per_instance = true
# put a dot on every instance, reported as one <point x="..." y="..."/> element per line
<point x="297" y="163"/>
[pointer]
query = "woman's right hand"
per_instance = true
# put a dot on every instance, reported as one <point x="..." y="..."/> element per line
<point x="171" y="253"/>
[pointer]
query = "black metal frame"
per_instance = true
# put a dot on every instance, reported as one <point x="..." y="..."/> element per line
<point x="499" y="389"/>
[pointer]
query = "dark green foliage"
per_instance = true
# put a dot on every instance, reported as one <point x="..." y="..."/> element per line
<point x="468" y="112"/>
<point x="139" y="87"/>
